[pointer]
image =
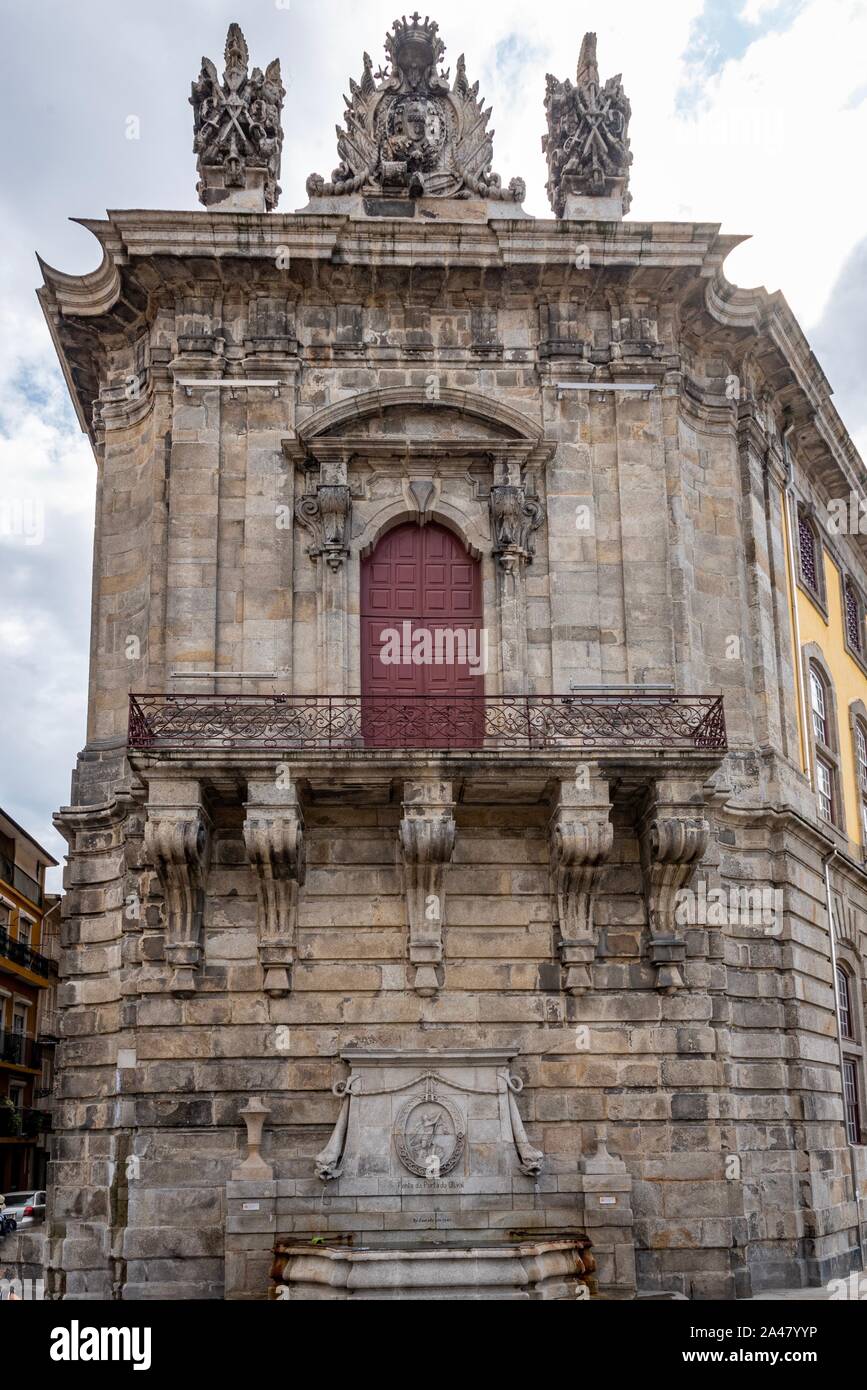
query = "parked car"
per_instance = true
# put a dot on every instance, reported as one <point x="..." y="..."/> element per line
<point x="28" y="1208"/>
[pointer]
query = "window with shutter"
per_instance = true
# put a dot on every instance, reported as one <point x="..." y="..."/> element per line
<point x="852" y="606"/>
<point x="807" y="553"/>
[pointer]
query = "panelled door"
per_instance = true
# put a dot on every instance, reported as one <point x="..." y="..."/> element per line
<point x="422" y="667"/>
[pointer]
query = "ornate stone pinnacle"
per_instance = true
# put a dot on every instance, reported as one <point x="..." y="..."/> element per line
<point x="409" y="134"/>
<point x="587" y="142"/>
<point x="238" y="136"/>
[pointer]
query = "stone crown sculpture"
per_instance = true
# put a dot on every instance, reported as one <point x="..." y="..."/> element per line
<point x="587" y="142"/>
<point x="238" y="136"/>
<point x="409" y="134"/>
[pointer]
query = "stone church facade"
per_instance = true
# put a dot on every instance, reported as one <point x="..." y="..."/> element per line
<point x="415" y="970"/>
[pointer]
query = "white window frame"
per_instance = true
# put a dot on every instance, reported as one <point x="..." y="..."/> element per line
<point x="825" y="794"/>
<point x="819" y="707"/>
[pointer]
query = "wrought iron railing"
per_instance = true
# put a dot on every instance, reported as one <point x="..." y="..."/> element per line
<point x="23" y="1124"/>
<point x="25" y="955"/>
<point x="19" y="1051"/>
<point x="432" y="722"/>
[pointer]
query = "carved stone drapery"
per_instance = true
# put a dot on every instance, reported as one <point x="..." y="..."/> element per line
<point x="580" y="839"/>
<point x="410" y="134"/>
<point x="443" y="1081"/>
<point x="587" y="142"/>
<point x="427" y="842"/>
<point x="674" y="837"/>
<point x="177" y="842"/>
<point x="238" y="135"/>
<point x="274" y="837"/>
<point x="326" y="513"/>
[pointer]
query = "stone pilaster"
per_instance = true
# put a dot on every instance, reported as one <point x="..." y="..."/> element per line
<point x="177" y="841"/>
<point x="753" y="454"/>
<point x="326" y="513"/>
<point x="580" y="838"/>
<point x="515" y="516"/>
<point x="427" y="842"/>
<point x="193" y="489"/>
<point x="274" y="836"/>
<point x="673" y="835"/>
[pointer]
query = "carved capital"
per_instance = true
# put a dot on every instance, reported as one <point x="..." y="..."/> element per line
<point x="580" y="839"/>
<point x="427" y="842"/>
<point x="274" y="837"/>
<point x="514" y="519"/>
<point x="177" y="842"/>
<point x="673" y="840"/>
<point x="326" y="513"/>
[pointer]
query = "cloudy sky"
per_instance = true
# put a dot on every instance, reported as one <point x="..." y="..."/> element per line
<point x="752" y="113"/>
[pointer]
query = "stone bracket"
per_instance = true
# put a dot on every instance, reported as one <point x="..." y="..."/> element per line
<point x="177" y="839"/>
<point x="673" y="836"/>
<point x="274" y="837"/>
<point x="326" y="514"/>
<point x="427" y="842"/>
<point x="580" y="840"/>
<point x="515" y="517"/>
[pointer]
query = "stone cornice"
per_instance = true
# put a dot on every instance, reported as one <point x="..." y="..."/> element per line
<point x="344" y="448"/>
<point x="824" y="446"/>
<point x="136" y="235"/>
<point x="679" y="260"/>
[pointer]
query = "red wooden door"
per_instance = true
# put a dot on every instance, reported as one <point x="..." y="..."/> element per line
<point x="422" y="656"/>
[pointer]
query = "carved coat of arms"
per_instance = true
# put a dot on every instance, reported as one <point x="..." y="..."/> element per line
<point x="409" y="133"/>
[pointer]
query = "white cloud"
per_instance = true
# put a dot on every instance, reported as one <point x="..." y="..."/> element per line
<point x="774" y="147"/>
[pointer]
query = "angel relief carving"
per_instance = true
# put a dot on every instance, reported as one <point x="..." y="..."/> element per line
<point x="409" y="133"/>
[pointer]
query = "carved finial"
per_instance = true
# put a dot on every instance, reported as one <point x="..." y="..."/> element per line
<point x="588" y="72"/>
<point x="412" y="135"/>
<point x="587" y="142"/>
<point x="238" y="136"/>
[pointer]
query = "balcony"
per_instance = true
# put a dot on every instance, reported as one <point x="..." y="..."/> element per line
<point x="20" y="1051"/>
<point x="431" y="723"/>
<point x="23" y="955"/>
<point x="21" y="882"/>
<point x="23" y="1124"/>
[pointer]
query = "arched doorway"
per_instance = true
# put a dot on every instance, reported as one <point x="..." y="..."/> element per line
<point x="423" y="652"/>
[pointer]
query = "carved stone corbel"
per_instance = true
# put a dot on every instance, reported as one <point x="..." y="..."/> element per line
<point x="673" y="841"/>
<point x="274" y="836"/>
<point x="326" y="513"/>
<point x="515" y="517"/>
<point x="427" y="842"/>
<point x="580" y="839"/>
<point x="177" y="842"/>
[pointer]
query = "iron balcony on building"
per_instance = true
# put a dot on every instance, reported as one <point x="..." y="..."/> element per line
<point x="20" y="1051"/>
<point x="23" y="1124"/>
<point x="431" y="723"/>
<point x="21" y="882"/>
<point x="20" y="954"/>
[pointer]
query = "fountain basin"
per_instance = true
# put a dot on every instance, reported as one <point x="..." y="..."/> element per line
<point x="553" y="1266"/>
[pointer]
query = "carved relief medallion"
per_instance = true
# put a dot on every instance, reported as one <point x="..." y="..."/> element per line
<point x="430" y="1135"/>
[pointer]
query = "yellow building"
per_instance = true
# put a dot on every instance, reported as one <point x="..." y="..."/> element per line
<point x="28" y="974"/>
<point x="831" y="656"/>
